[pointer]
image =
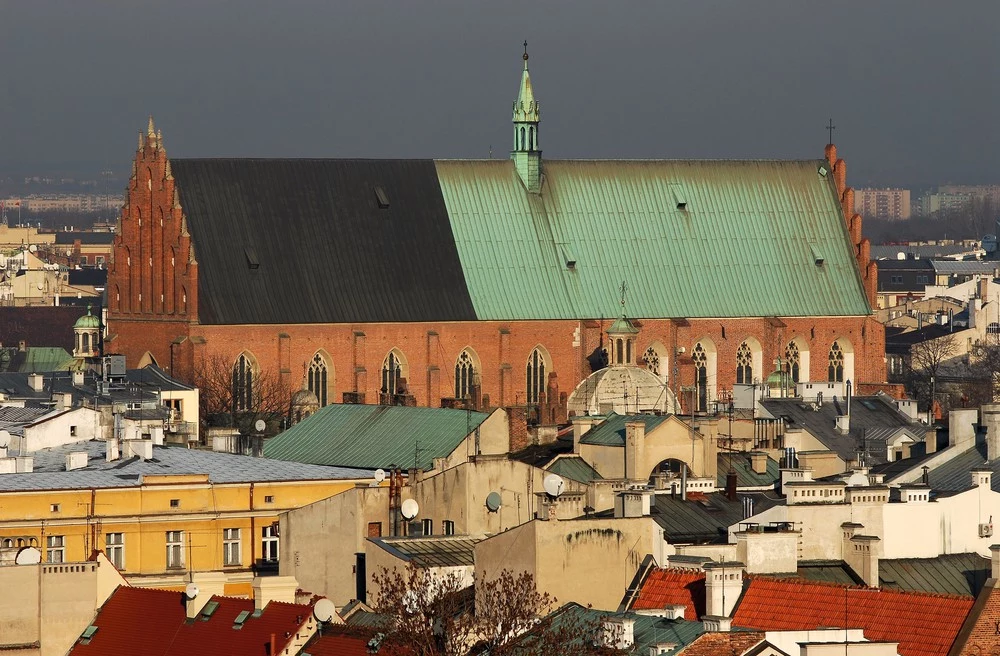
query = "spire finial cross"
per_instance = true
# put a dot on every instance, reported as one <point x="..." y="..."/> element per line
<point x="525" y="56"/>
<point x="624" y="289"/>
<point x="830" y="127"/>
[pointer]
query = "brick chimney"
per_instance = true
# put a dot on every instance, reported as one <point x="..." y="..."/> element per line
<point x="517" y="419"/>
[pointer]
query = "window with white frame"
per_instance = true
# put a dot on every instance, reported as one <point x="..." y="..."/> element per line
<point x="55" y="548"/>
<point x="114" y="549"/>
<point x="175" y="549"/>
<point x="231" y="551"/>
<point x="428" y="527"/>
<point x="448" y="527"/>
<point x="269" y="543"/>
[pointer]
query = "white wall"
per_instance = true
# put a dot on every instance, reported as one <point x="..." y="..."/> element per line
<point x="58" y="428"/>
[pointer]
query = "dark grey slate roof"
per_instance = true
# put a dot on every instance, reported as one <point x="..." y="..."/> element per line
<point x="955" y="475"/>
<point x="322" y="245"/>
<point x="85" y="237"/>
<point x="868" y="413"/>
<point x="745" y="475"/>
<point x="141" y="385"/>
<point x="50" y="468"/>
<point x="958" y="574"/>
<point x="92" y="277"/>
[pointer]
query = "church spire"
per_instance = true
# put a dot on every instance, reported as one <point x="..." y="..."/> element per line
<point x="526" y="154"/>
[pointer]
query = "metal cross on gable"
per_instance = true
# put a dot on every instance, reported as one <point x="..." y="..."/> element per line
<point x="624" y="290"/>
<point x="830" y="127"/>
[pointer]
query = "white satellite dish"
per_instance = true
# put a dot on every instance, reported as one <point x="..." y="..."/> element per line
<point x="32" y="248"/>
<point x="28" y="556"/>
<point x="379" y="475"/>
<point x="4" y="439"/>
<point x="191" y="590"/>
<point x="409" y="509"/>
<point x="553" y="484"/>
<point x="259" y="426"/>
<point x="324" y="610"/>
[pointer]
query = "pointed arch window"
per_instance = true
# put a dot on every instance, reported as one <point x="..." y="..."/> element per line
<point x="392" y="373"/>
<point x="243" y="380"/>
<point x="700" y="359"/>
<point x="744" y="365"/>
<point x="317" y="378"/>
<point x="835" y="366"/>
<point x="535" y="383"/>
<point x="465" y="373"/>
<point x="531" y="138"/>
<point x="792" y="358"/>
<point x="522" y="138"/>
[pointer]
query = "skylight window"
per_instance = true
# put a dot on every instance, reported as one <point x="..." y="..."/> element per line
<point x="381" y="197"/>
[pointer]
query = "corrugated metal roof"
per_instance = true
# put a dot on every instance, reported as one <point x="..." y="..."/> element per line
<point x="955" y="475"/>
<point x="745" y="475"/>
<point x="965" y="267"/>
<point x="704" y="518"/>
<point x="574" y="468"/>
<point x="957" y="574"/>
<point x="611" y="432"/>
<point x="374" y="436"/>
<point x="326" y="252"/>
<point x="436" y="551"/>
<point x="620" y="219"/>
<point x="648" y="630"/>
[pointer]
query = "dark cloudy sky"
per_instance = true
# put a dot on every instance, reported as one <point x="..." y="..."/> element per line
<point x="912" y="85"/>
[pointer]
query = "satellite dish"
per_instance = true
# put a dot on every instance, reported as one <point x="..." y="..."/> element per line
<point x="28" y="556"/>
<point x="191" y="590"/>
<point x="553" y="484"/>
<point x="259" y="426"/>
<point x="32" y="248"/>
<point x="4" y="439"/>
<point x="409" y="509"/>
<point x="324" y="610"/>
<point x="379" y="475"/>
<point x="493" y="501"/>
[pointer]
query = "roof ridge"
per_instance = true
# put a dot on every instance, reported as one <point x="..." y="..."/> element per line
<point x="830" y="584"/>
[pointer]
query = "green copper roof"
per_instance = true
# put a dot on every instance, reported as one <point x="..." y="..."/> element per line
<point x="575" y="468"/>
<point x="691" y="238"/>
<point x="374" y="436"/>
<point x="87" y="321"/>
<point x="622" y="326"/>
<point x="611" y="432"/>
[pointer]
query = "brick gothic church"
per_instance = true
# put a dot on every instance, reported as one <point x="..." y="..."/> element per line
<point x="493" y="281"/>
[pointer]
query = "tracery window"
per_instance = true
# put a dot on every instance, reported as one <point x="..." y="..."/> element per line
<point x="243" y="377"/>
<point x="792" y="359"/>
<point x="464" y="375"/>
<point x="835" y="368"/>
<point x="700" y="359"/>
<point x="744" y="365"/>
<point x="535" y="376"/>
<point x="392" y="372"/>
<point x="317" y="376"/>
<point x="652" y="359"/>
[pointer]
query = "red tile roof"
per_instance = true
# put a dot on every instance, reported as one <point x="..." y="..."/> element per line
<point x="670" y="586"/>
<point x="923" y="624"/>
<point x="154" y="622"/>
<point x="338" y="645"/>
<point x="722" y="644"/>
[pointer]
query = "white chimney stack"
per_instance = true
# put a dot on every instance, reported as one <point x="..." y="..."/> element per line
<point x="36" y="382"/>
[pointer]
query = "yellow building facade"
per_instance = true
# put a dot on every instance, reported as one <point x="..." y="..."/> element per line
<point x="165" y="526"/>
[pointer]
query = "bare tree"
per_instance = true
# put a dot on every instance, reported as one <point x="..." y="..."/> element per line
<point x="432" y="614"/>
<point x="224" y="402"/>
<point x="926" y="363"/>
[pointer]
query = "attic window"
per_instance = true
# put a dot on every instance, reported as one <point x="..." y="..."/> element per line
<point x="253" y="262"/>
<point x="818" y="258"/>
<point x="240" y="619"/>
<point x="568" y="256"/>
<point x="822" y="170"/>
<point x="382" y="198"/>
<point x="679" y="198"/>
<point x="210" y="608"/>
<point x="87" y="634"/>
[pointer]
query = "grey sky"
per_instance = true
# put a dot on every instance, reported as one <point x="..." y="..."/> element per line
<point x="912" y="86"/>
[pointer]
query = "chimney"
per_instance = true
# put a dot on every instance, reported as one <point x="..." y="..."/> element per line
<point x="142" y="449"/>
<point x="862" y="557"/>
<point x="581" y="425"/>
<point x="36" y="382"/>
<point x="991" y="420"/>
<point x="77" y="378"/>
<point x="982" y="477"/>
<point x="843" y="424"/>
<point x="76" y="460"/>
<point x="717" y="624"/>
<point x="723" y="587"/>
<point x="193" y="604"/>
<point x="111" y="452"/>
<point x="962" y="426"/>
<point x="208" y="584"/>
<point x="632" y="503"/>
<point x="619" y="633"/>
<point x="517" y="421"/>
<point x="758" y="462"/>
<point x="635" y="438"/>
<point x="273" y="588"/>
<point x="995" y="561"/>
<point x="731" y="480"/>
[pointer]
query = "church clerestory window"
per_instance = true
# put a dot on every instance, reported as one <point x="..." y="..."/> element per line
<point x="792" y="359"/>
<point x="700" y="359"/>
<point x="652" y="359"/>
<point x="835" y="368"/>
<point x="535" y="375"/>
<point x="317" y="378"/>
<point x="243" y="380"/>
<point x="464" y="376"/>
<point x="744" y="365"/>
<point x="392" y="372"/>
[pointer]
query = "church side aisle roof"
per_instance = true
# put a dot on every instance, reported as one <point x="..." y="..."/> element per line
<point x="700" y="238"/>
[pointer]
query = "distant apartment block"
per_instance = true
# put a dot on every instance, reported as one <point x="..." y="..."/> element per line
<point x="65" y="203"/>
<point x="888" y="204"/>
<point x="953" y="197"/>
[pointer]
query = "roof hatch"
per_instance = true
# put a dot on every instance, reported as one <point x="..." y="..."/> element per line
<point x="253" y="262"/>
<point x="240" y="619"/>
<point x="381" y="197"/>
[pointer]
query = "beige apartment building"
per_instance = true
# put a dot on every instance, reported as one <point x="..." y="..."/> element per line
<point x="887" y="204"/>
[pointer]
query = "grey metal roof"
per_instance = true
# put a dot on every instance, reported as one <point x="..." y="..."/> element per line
<point x="958" y="574"/>
<point x="892" y="251"/>
<point x="306" y="241"/>
<point x="955" y="475"/>
<point x="969" y="267"/>
<point x="85" y="237"/>
<point x="867" y="413"/>
<point x="704" y="518"/>
<point x="50" y="468"/>
<point x="432" y="551"/>
<point x="745" y="475"/>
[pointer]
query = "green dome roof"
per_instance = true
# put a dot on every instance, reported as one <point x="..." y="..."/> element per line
<point x="622" y="326"/>
<point x="87" y="321"/>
